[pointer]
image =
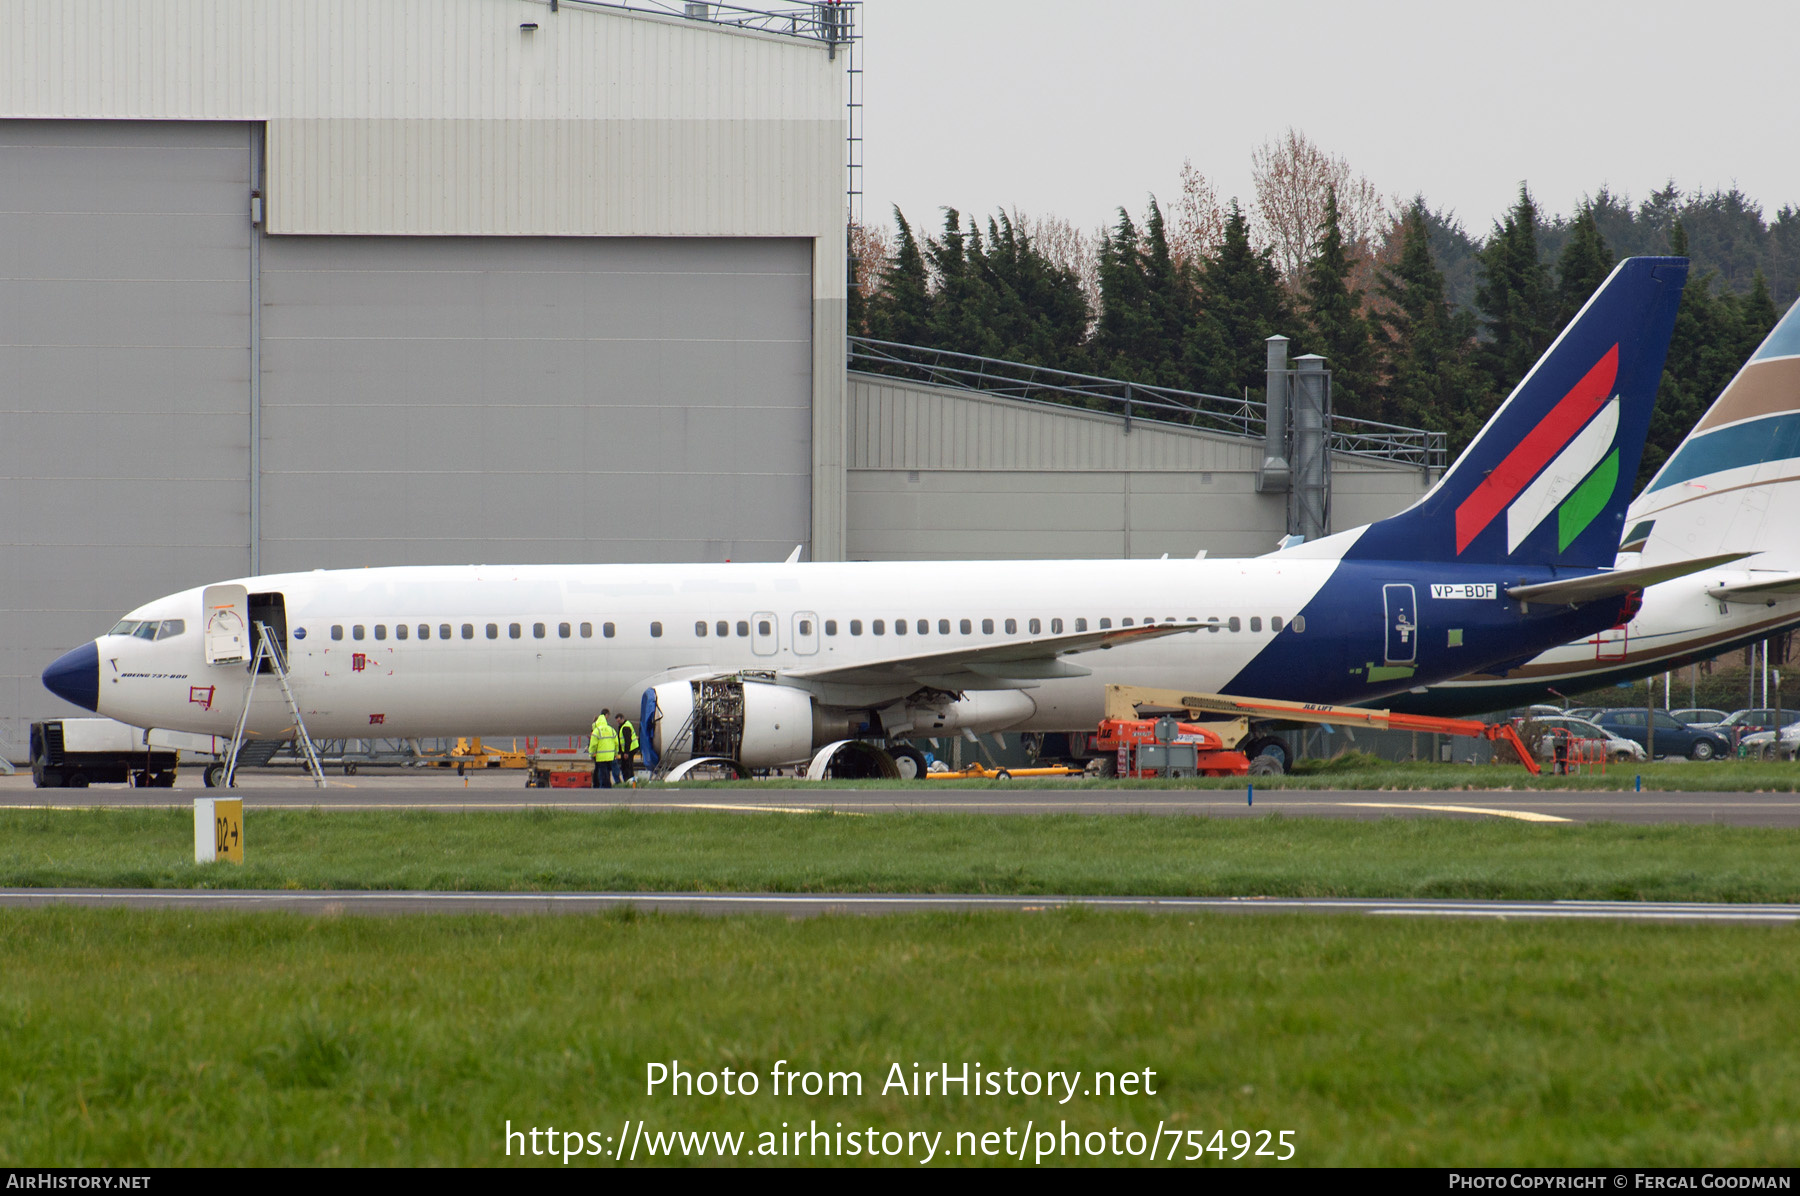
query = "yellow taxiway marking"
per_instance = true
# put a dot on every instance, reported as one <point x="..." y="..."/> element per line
<point x="1521" y="815"/>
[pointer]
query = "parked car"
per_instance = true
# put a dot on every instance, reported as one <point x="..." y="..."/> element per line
<point x="1544" y="735"/>
<point x="1673" y="738"/>
<point x="1587" y="712"/>
<point x="1764" y="744"/>
<point x="1701" y="716"/>
<point x="1748" y="722"/>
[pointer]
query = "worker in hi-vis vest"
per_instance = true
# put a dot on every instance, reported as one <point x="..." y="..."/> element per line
<point x="628" y="746"/>
<point x="603" y="746"/>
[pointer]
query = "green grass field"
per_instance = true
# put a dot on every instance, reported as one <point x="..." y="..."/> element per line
<point x="953" y="853"/>
<point x="130" y="1039"/>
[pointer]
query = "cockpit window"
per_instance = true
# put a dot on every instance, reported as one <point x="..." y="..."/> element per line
<point x="147" y="631"/>
<point x="170" y="629"/>
<point x="126" y="627"/>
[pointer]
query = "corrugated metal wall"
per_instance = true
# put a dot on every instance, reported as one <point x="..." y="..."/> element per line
<point x="124" y="357"/>
<point x="936" y="473"/>
<point x="461" y="400"/>
<point x="450" y="118"/>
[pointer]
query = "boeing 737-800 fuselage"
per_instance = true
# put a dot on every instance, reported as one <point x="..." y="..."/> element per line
<point x="869" y="648"/>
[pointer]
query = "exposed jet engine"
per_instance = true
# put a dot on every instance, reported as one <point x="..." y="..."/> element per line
<point x="758" y="724"/>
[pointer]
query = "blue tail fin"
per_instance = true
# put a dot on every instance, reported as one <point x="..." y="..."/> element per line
<point x="1548" y="479"/>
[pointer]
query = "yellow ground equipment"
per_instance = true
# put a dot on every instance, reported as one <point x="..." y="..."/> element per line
<point x="975" y="772"/>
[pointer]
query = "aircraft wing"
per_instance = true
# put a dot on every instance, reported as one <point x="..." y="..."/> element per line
<point x="1594" y="586"/>
<point x="989" y="666"/>
<point x="1775" y="585"/>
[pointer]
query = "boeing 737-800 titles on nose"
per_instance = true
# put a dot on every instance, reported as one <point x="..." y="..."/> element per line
<point x="1509" y="554"/>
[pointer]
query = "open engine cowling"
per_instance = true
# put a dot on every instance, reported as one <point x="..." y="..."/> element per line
<point x="753" y="722"/>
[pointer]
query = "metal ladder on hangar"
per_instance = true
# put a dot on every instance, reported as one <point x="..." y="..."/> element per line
<point x="267" y="650"/>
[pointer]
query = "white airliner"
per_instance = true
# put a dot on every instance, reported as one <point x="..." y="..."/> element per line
<point x="762" y="664"/>
<point x="1732" y="487"/>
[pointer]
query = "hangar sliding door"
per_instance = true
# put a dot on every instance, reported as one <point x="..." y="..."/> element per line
<point x="124" y="376"/>
<point x="435" y="400"/>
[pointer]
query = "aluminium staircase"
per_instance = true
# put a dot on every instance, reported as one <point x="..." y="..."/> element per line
<point x="260" y="751"/>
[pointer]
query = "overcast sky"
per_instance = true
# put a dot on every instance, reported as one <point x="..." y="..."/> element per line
<point x="1057" y="107"/>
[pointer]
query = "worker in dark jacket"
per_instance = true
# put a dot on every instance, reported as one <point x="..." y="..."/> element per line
<point x="603" y="746"/>
<point x="628" y="747"/>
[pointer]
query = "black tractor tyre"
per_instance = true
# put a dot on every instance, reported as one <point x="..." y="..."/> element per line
<point x="77" y="781"/>
<point x="1272" y="746"/>
<point x="1266" y="766"/>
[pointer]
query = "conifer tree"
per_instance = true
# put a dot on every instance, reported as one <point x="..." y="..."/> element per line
<point x="1585" y="263"/>
<point x="1126" y="338"/>
<point x="901" y="311"/>
<point x="1426" y="350"/>
<point x="1757" y="314"/>
<point x="1036" y="308"/>
<point x="961" y="304"/>
<point x="1242" y="304"/>
<point x="1515" y="298"/>
<point x="1335" y="326"/>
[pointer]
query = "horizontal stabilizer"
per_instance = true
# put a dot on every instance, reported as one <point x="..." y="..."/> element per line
<point x="1763" y="589"/>
<point x="1572" y="591"/>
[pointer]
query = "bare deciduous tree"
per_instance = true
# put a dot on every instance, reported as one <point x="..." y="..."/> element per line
<point x="1293" y="177"/>
<point x="1199" y="221"/>
<point x="870" y="249"/>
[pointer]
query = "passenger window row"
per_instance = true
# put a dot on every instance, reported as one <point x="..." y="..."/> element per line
<point x="446" y="631"/>
<point x="1036" y="626"/>
<point x="723" y="628"/>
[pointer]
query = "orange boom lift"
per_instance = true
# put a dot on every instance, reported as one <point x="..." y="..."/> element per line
<point x="1131" y="704"/>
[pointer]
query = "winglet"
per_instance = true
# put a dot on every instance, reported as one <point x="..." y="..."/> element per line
<point x="794" y="556"/>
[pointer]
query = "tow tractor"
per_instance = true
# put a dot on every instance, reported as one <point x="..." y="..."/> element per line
<point x="1224" y="720"/>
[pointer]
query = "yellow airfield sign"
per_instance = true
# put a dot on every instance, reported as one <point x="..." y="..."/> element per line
<point x="218" y="829"/>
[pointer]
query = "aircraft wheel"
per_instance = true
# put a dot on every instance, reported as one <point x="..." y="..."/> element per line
<point x="1270" y="746"/>
<point x="349" y="770"/>
<point x="214" y="776"/>
<point x="910" y="761"/>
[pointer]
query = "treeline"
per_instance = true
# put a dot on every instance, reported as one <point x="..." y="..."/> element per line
<point x="1423" y="326"/>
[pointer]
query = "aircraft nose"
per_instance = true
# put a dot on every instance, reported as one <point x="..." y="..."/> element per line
<point x="75" y="676"/>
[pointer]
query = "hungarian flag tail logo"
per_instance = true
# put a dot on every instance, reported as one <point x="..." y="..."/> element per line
<point x="1567" y="466"/>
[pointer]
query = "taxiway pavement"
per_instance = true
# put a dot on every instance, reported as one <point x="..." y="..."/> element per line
<point x="497" y="790"/>
<point x="808" y="905"/>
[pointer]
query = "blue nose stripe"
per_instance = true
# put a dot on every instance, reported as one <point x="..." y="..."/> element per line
<point x="75" y="677"/>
